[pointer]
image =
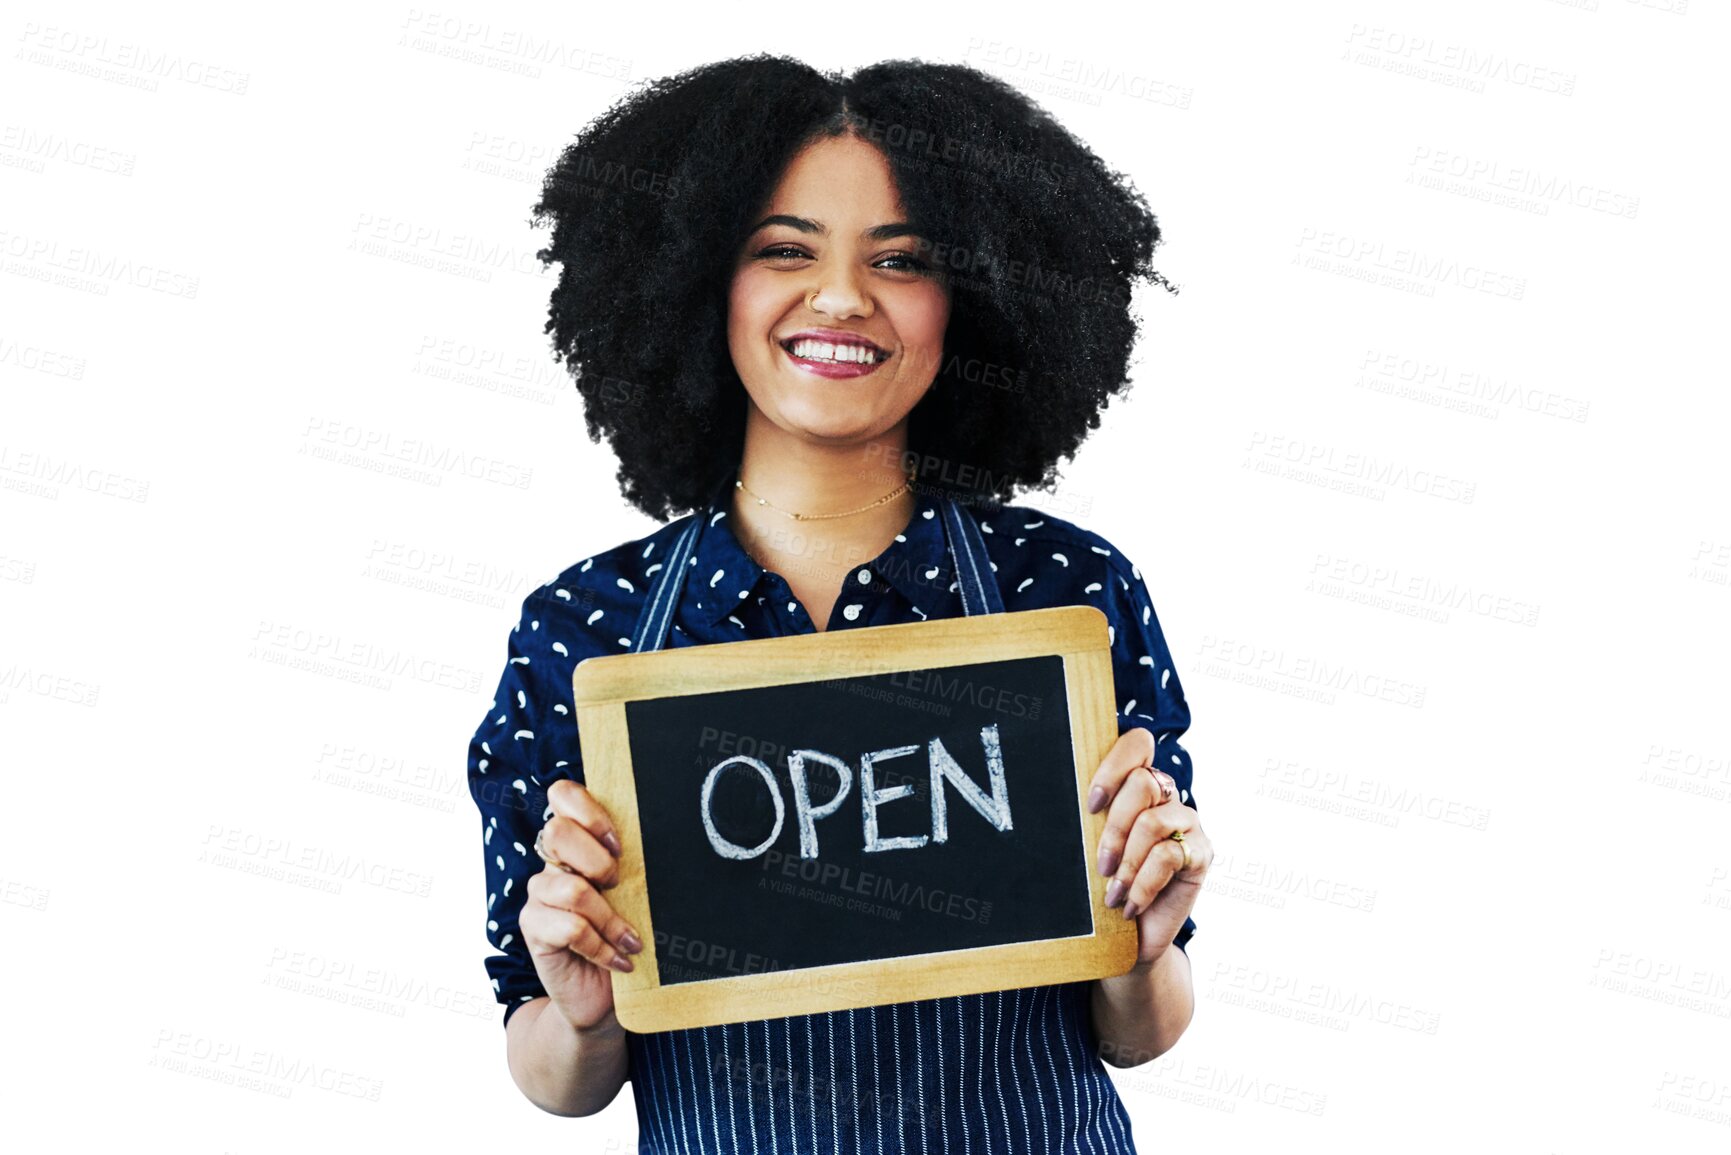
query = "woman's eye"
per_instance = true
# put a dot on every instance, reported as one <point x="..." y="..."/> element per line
<point x="781" y="252"/>
<point x="908" y="262"/>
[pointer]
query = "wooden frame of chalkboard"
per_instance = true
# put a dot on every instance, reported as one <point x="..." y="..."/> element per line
<point x="663" y="994"/>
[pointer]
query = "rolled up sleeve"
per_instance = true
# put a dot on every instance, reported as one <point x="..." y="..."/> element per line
<point x="1149" y="693"/>
<point x="527" y="740"/>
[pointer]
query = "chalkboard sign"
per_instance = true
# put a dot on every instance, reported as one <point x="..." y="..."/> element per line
<point x="862" y="816"/>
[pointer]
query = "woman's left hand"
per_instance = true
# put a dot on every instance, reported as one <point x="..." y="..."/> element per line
<point x="1137" y="849"/>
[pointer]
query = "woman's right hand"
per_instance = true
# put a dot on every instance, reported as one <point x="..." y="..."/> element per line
<point x="574" y="934"/>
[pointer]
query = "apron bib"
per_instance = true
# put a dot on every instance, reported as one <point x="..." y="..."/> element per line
<point x="974" y="577"/>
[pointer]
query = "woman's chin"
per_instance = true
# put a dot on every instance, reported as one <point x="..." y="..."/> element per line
<point x="829" y="420"/>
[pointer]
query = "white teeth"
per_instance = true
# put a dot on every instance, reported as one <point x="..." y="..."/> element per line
<point x="824" y="351"/>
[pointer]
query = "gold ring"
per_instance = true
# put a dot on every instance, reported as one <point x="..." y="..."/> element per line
<point x="1178" y="837"/>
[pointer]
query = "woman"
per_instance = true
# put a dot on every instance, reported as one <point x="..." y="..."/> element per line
<point x="839" y="321"/>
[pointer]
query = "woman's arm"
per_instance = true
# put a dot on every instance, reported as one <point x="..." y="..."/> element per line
<point x="563" y="1070"/>
<point x="1140" y="1015"/>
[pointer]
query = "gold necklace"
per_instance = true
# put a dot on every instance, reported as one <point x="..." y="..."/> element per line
<point x="738" y="484"/>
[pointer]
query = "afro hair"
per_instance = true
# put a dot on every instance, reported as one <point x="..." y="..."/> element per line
<point x="1038" y="240"/>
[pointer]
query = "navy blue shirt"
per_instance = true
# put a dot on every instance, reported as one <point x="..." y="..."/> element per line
<point x="1003" y="1071"/>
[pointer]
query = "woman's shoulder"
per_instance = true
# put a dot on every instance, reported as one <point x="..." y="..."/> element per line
<point x="1019" y="535"/>
<point x="598" y="597"/>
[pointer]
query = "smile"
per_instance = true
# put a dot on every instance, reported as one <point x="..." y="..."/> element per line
<point x="834" y="358"/>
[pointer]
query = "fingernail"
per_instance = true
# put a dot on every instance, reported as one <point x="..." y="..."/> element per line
<point x="1108" y="860"/>
<point x="1096" y="798"/>
<point x="611" y="841"/>
<point x="1129" y="910"/>
<point x="1115" y="892"/>
<point x="631" y="941"/>
<point x="620" y="963"/>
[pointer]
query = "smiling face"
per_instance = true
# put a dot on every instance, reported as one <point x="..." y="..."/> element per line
<point x="835" y="323"/>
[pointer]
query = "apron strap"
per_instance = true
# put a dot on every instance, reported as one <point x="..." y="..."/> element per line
<point x="657" y="617"/>
<point x="974" y="577"/>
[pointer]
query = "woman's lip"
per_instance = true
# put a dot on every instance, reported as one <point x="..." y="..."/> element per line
<point x="831" y="368"/>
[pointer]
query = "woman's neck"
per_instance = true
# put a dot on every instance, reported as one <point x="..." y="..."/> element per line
<point x="796" y="476"/>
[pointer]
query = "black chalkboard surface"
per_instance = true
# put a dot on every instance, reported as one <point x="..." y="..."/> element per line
<point x="862" y="816"/>
<point x="910" y="889"/>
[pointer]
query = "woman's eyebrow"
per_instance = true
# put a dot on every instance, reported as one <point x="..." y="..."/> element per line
<point x="807" y="225"/>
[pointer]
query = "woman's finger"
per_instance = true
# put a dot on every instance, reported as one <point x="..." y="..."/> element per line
<point x="1163" y="860"/>
<point x="1147" y="829"/>
<point x="1137" y="793"/>
<point x="576" y="894"/>
<point x="572" y="800"/>
<point x="554" y="928"/>
<point x="1146" y="826"/>
<point x="576" y="847"/>
<point x="1135" y="747"/>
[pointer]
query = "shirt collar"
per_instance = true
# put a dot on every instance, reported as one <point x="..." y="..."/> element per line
<point x="916" y="563"/>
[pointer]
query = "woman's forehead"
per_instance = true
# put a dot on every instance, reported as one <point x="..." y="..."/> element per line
<point x="838" y="180"/>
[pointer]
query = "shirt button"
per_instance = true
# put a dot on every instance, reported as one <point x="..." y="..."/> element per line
<point x="865" y="577"/>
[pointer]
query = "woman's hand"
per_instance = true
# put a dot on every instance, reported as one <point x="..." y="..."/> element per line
<point x="1137" y="850"/>
<point x="572" y="931"/>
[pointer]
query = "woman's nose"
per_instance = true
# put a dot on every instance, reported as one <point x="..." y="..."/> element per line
<point x="840" y="292"/>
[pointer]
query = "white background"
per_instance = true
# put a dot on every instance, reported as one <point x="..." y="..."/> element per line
<point x="1424" y="468"/>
